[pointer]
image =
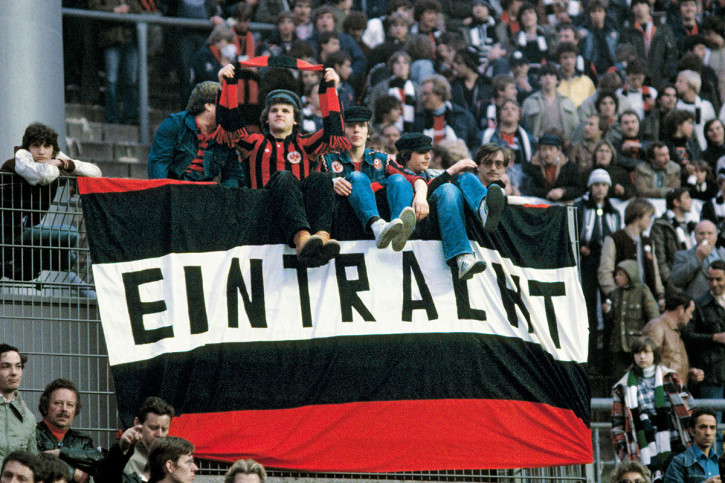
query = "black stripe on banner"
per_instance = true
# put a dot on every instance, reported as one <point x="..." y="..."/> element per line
<point x="279" y="375"/>
<point x="194" y="218"/>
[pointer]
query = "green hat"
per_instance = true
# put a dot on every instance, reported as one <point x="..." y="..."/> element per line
<point x="414" y="141"/>
<point x="357" y="114"/>
<point x="285" y="96"/>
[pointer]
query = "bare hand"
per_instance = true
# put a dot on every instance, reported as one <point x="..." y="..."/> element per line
<point x="331" y="76"/>
<point x="713" y="479"/>
<point x="226" y="72"/>
<point x="54" y="452"/>
<point x="556" y="194"/>
<point x="628" y="146"/>
<point x="216" y="20"/>
<point x="696" y="375"/>
<point x="80" y="476"/>
<point x="461" y="165"/>
<point x="421" y="208"/>
<point x="122" y="9"/>
<point x="618" y="189"/>
<point x="661" y="305"/>
<point x="130" y="437"/>
<point x="719" y="337"/>
<point x="343" y="187"/>
<point x="605" y="308"/>
<point x="584" y="250"/>
<point x="703" y="250"/>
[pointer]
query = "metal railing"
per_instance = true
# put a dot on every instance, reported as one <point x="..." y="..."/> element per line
<point x="48" y="310"/>
<point x="142" y="22"/>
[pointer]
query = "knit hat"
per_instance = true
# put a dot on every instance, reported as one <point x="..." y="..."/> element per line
<point x="599" y="176"/>
<point x="283" y="95"/>
<point x="357" y="114"/>
<point x="414" y="141"/>
<point x="550" y="140"/>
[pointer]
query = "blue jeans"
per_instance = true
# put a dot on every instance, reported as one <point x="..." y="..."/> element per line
<point x="449" y="199"/>
<point x="121" y="59"/>
<point x="362" y="199"/>
<point x="714" y="391"/>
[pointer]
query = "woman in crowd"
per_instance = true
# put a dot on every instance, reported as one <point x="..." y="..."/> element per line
<point x="678" y="134"/>
<point x="715" y="137"/>
<point x="630" y="472"/>
<point x="605" y="157"/>
<point x="649" y="411"/>
<point x="400" y="86"/>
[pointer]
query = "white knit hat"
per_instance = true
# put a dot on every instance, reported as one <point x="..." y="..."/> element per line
<point x="599" y="176"/>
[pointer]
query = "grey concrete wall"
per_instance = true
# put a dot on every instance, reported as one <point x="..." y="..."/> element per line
<point x="31" y="69"/>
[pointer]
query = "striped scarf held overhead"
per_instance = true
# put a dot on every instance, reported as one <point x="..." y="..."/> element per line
<point x="404" y="90"/>
<point x="228" y="115"/>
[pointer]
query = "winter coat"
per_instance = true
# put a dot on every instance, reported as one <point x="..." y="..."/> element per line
<point x="76" y="449"/>
<point x="567" y="177"/>
<point x="632" y="307"/>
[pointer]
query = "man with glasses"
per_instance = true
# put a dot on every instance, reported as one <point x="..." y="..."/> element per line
<point x="493" y="161"/>
<point x="630" y="472"/>
<point x="699" y="461"/>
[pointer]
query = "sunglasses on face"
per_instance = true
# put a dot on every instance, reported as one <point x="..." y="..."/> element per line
<point x="489" y="162"/>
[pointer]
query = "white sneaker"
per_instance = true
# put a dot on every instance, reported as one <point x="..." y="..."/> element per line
<point x="491" y="207"/>
<point x="468" y="266"/>
<point x="385" y="232"/>
<point x="407" y="217"/>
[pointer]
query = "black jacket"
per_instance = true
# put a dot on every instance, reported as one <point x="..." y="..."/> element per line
<point x="76" y="449"/>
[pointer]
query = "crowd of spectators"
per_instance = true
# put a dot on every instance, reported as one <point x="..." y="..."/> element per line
<point x="51" y="451"/>
<point x="598" y="102"/>
<point x="594" y="103"/>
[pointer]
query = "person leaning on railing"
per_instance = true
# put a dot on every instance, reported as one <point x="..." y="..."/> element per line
<point x="37" y="163"/>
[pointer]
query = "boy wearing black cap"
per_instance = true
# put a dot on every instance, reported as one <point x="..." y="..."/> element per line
<point x="358" y="172"/>
<point x="448" y="191"/>
<point x="282" y="160"/>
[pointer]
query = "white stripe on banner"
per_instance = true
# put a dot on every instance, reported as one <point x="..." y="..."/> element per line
<point x="146" y="312"/>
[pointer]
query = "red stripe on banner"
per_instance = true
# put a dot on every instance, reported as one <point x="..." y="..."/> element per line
<point x="122" y="185"/>
<point x="381" y="436"/>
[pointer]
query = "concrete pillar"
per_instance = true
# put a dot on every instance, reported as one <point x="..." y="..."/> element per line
<point x="31" y="70"/>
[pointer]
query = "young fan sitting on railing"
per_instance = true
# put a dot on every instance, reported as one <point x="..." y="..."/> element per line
<point x="26" y="198"/>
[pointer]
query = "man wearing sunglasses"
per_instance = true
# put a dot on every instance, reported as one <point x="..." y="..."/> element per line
<point x="699" y="461"/>
<point x="630" y="472"/>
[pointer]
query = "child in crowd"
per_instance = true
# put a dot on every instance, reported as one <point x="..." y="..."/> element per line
<point x="448" y="192"/>
<point x="630" y="306"/>
<point x="358" y="172"/>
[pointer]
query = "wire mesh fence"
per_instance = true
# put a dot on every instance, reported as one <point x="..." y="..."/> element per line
<point x="49" y="311"/>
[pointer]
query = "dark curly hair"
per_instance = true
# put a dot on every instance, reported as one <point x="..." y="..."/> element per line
<point x="60" y="383"/>
<point x="38" y="133"/>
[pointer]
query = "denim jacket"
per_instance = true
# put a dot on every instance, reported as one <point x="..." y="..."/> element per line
<point x="341" y="166"/>
<point x="175" y="146"/>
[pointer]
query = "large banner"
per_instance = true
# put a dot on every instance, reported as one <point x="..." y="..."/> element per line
<point x="378" y="361"/>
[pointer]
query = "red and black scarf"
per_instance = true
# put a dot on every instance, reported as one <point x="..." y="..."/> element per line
<point x="228" y="114"/>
